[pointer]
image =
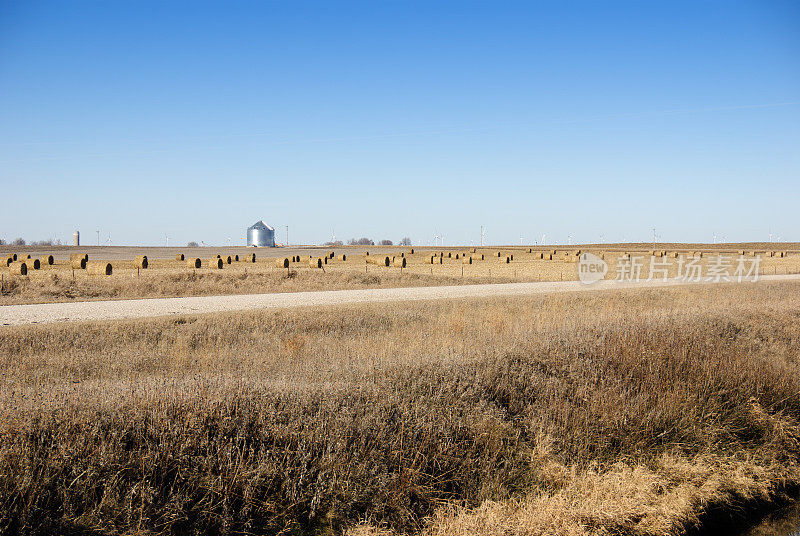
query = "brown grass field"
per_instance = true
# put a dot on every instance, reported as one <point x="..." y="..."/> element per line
<point x="166" y="277"/>
<point x="626" y="412"/>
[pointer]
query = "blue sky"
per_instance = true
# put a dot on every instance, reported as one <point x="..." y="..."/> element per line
<point x="576" y="120"/>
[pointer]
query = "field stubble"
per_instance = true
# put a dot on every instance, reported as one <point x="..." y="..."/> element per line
<point x="607" y="413"/>
<point x="168" y="278"/>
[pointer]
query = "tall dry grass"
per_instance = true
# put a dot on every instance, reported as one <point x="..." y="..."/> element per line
<point x="607" y="413"/>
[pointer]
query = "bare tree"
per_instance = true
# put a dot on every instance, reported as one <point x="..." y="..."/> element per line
<point x="192" y="244"/>
<point x="18" y="242"/>
<point x="363" y="241"/>
<point x="405" y="241"/>
<point x="385" y="242"/>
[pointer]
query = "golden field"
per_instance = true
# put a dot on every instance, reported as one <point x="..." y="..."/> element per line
<point x="625" y="412"/>
<point x="168" y="277"/>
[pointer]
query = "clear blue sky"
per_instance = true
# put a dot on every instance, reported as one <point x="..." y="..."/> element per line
<point x="391" y="119"/>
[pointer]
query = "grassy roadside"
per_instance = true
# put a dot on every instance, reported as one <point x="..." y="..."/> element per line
<point x="608" y="413"/>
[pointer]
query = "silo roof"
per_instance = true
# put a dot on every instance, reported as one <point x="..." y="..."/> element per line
<point x="261" y="225"/>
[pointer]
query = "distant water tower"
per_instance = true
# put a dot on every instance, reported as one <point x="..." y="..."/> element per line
<point x="76" y="238"/>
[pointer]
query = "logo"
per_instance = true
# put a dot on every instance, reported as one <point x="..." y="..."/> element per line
<point x="591" y="268"/>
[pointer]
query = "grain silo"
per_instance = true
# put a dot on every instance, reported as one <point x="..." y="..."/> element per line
<point x="76" y="238"/>
<point x="260" y="235"/>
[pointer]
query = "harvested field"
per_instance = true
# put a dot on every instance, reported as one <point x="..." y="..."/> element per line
<point x="165" y="276"/>
<point x="606" y="413"/>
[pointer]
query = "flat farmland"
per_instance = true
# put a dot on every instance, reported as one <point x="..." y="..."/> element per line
<point x="166" y="277"/>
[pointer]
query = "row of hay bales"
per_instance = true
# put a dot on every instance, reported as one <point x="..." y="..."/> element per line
<point x="313" y="262"/>
<point x="46" y="260"/>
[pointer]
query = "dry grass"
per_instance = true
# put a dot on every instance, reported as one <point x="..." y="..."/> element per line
<point x="607" y="413"/>
<point x="168" y="277"/>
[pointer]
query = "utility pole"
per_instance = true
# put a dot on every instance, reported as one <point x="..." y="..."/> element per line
<point x="654" y="238"/>
<point x="287" y="235"/>
<point x="98" y="237"/>
<point x="482" y="237"/>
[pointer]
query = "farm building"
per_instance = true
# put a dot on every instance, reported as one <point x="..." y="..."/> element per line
<point x="260" y="235"/>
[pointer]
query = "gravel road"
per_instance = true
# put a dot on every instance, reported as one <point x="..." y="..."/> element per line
<point x="12" y="315"/>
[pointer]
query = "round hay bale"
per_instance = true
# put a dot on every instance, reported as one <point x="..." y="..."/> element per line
<point x="456" y="256"/>
<point x="34" y="263"/>
<point x="228" y="259"/>
<point x="236" y="258"/>
<point x="78" y="263"/>
<point x="511" y="257"/>
<point x="194" y="263"/>
<point x="466" y="260"/>
<point x="99" y="268"/>
<point x="216" y="263"/>
<point x="9" y="260"/>
<point x="411" y="251"/>
<point x="141" y="262"/>
<point x="14" y="256"/>
<point x="508" y="260"/>
<point x="219" y="256"/>
<point x="251" y="257"/>
<point x="449" y="254"/>
<point x="342" y="257"/>
<point x="386" y="261"/>
<point x="73" y="256"/>
<point x="315" y="263"/>
<point x="400" y="262"/>
<point x="472" y="250"/>
<point x="47" y="260"/>
<point x="18" y="268"/>
<point x="179" y="257"/>
<point x="499" y="254"/>
<point x="282" y="263"/>
<point x="331" y="255"/>
<point x="28" y="256"/>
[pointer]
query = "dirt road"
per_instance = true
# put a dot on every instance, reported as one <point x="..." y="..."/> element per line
<point x="11" y="315"/>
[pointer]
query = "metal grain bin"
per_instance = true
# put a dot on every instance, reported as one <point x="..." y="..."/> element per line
<point x="260" y="235"/>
